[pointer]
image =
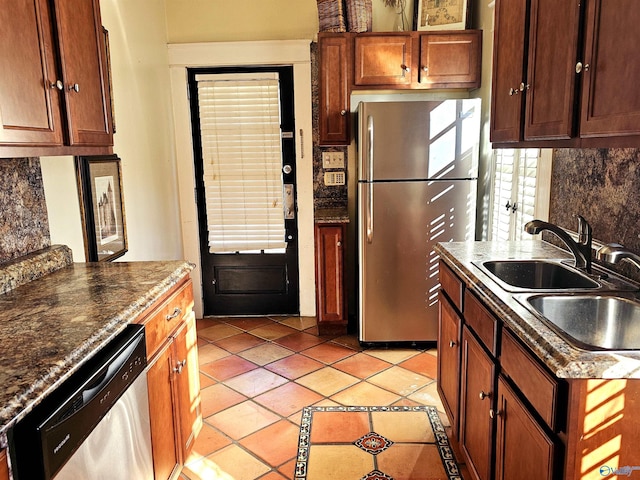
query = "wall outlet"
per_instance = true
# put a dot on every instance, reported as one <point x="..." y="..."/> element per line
<point x="334" y="178"/>
<point x="332" y="160"/>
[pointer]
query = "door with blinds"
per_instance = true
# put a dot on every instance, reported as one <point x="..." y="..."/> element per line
<point x="244" y="150"/>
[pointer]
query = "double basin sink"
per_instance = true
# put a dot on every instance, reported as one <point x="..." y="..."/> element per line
<point x="592" y="312"/>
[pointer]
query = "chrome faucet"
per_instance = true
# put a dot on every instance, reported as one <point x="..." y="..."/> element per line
<point x="614" y="253"/>
<point x="581" y="249"/>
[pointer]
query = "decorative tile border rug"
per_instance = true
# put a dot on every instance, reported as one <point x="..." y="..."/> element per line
<point x="374" y="443"/>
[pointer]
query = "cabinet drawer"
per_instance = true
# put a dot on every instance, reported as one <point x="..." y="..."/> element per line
<point x="537" y="386"/>
<point x="481" y="321"/>
<point x="164" y="319"/>
<point x="451" y="285"/>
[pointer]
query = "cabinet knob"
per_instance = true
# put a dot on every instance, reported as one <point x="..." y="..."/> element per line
<point x="494" y="413"/>
<point x="343" y="112"/>
<point x="405" y="68"/>
<point x="75" y="88"/>
<point x="425" y="69"/>
<point x="524" y="86"/>
<point x="513" y="91"/>
<point x="452" y="343"/>
<point x="580" y="67"/>
<point x="179" y="366"/>
<point x="338" y="243"/>
<point x="484" y="395"/>
<point x="57" y="84"/>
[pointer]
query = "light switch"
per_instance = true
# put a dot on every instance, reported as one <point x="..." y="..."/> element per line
<point x="332" y="160"/>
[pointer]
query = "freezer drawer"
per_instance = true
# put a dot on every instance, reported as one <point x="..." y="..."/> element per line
<point x="398" y="224"/>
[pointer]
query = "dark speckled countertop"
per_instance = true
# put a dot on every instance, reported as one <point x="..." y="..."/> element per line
<point x="562" y="358"/>
<point x="331" y="215"/>
<point x="51" y="325"/>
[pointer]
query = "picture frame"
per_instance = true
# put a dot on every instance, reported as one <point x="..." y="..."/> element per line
<point x="434" y="15"/>
<point x="102" y="207"/>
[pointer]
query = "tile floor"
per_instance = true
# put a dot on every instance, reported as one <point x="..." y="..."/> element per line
<point x="256" y="375"/>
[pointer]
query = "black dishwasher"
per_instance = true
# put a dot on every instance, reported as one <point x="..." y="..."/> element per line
<point x="59" y="429"/>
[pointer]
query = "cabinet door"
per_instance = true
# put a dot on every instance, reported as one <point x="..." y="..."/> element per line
<point x="330" y="294"/>
<point x="450" y="60"/>
<point x="550" y="86"/>
<point x="610" y="100"/>
<point x="523" y="449"/>
<point x="163" y="426"/>
<point x="383" y="60"/>
<point x="29" y="100"/>
<point x="83" y="61"/>
<point x="334" y="55"/>
<point x="509" y="40"/>
<point x="187" y="384"/>
<point x="449" y="331"/>
<point x="476" y="424"/>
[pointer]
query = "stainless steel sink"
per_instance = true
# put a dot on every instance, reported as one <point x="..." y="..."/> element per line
<point x="527" y="275"/>
<point x="594" y="322"/>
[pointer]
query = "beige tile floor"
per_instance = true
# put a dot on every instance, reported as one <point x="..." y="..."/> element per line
<point x="258" y="373"/>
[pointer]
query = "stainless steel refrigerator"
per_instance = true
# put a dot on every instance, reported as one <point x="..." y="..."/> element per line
<point x="417" y="175"/>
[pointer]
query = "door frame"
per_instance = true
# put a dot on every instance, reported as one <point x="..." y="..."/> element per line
<point x="277" y="52"/>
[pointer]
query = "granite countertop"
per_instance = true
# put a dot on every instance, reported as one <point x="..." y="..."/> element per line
<point x="53" y="324"/>
<point x="562" y="358"/>
<point x="331" y="215"/>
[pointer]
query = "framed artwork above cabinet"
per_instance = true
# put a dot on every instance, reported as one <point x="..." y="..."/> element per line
<point x="414" y="60"/>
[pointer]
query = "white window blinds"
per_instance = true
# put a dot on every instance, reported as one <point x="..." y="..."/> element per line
<point x="242" y="157"/>
<point x="514" y="192"/>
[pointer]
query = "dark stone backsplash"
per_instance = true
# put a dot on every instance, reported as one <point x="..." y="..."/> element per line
<point x="24" y="224"/>
<point x="602" y="185"/>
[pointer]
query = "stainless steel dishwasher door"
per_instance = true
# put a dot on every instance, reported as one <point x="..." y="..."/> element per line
<point x="120" y="445"/>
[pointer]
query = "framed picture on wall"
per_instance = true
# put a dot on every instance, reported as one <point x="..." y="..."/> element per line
<point x="102" y="207"/>
<point x="442" y="14"/>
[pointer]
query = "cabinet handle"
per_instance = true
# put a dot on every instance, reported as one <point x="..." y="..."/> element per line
<point x="484" y="395"/>
<point x="343" y="112"/>
<point x="58" y="84"/>
<point x="494" y="413"/>
<point x="179" y="366"/>
<point x="513" y="91"/>
<point x="452" y="343"/>
<point x="338" y="243"/>
<point x="425" y="69"/>
<point x="405" y="68"/>
<point x="177" y="311"/>
<point x="75" y="88"/>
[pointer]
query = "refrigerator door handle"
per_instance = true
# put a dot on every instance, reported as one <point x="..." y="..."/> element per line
<point x="370" y="177"/>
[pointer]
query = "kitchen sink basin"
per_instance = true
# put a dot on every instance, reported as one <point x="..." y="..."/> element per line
<point x="515" y="275"/>
<point x="594" y="322"/>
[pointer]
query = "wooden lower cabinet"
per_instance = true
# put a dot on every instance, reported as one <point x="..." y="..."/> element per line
<point x="476" y="404"/>
<point x="4" y="467"/>
<point x="330" y="278"/>
<point x="163" y="428"/>
<point x="173" y="381"/>
<point x="523" y="449"/>
<point x="449" y="333"/>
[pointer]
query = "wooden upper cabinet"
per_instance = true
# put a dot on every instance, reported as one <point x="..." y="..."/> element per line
<point x="29" y="102"/>
<point x="611" y="69"/>
<point x="549" y="89"/>
<point x="83" y="65"/>
<point x="575" y="84"/>
<point x="334" y="87"/>
<point x="54" y="89"/>
<point x="509" y="40"/>
<point x="383" y="60"/>
<point x="450" y="59"/>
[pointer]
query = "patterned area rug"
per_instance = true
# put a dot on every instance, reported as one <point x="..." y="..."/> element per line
<point x="374" y="443"/>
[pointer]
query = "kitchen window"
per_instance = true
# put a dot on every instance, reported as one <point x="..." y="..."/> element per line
<point x="520" y="193"/>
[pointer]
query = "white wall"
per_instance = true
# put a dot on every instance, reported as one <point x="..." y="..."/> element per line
<point x="144" y="139"/>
